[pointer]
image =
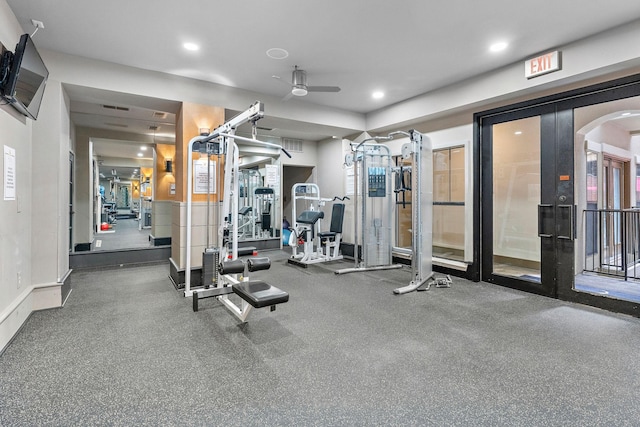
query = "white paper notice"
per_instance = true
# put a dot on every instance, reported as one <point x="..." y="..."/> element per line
<point x="350" y="181"/>
<point x="200" y="176"/>
<point x="272" y="177"/>
<point x="9" y="173"/>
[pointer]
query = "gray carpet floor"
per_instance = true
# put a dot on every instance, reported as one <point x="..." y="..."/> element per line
<point x="127" y="349"/>
<point x="125" y="235"/>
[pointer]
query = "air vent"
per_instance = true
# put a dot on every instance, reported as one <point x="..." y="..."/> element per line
<point x="265" y="129"/>
<point x="113" y="107"/>
<point x="153" y="127"/>
<point x="159" y="115"/>
<point x="118" y="125"/>
<point x="291" y="144"/>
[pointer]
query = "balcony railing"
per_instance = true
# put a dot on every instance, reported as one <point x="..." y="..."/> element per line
<point x="612" y="242"/>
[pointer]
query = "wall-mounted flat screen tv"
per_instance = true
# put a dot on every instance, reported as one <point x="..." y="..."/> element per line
<point x="23" y="77"/>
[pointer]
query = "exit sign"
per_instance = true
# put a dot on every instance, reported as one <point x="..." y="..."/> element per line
<point x="543" y="64"/>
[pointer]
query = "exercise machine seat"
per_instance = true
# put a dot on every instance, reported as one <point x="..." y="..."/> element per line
<point x="337" y="218"/>
<point x="310" y="217"/>
<point x="260" y="294"/>
<point x="263" y="190"/>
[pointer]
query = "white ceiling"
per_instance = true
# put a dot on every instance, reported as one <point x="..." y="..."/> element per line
<point x="404" y="48"/>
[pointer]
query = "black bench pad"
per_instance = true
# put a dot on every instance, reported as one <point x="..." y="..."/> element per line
<point x="327" y="235"/>
<point x="260" y="294"/>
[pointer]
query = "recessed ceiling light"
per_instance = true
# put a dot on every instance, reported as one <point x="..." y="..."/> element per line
<point x="143" y="148"/>
<point x="140" y="154"/>
<point x="518" y="132"/>
<point x="377" y="95"/>
<point x="191" y="46"/>
<point x="498" y="47"/>
<point x="277" y="53"/>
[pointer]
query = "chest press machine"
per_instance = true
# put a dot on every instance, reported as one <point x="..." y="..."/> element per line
<point x="317" y="246"/>
<point x="229" y="276"/>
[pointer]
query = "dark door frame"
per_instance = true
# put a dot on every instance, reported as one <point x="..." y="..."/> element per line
<point x="548" y="199"/>
<point x="563" y="104"/>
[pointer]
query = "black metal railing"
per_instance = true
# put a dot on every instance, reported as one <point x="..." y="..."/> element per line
<point x="612" y="242"/>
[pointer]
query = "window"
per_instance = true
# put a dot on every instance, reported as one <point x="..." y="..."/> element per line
<point x="448" y="203"/>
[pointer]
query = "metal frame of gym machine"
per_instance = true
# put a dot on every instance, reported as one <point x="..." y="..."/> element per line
<point x="375" y="232"/>
<point x="225" y="135"/>
<point x="324" y="251"/>
<point x="259" y="204"/>
<point x="419" y="150"/>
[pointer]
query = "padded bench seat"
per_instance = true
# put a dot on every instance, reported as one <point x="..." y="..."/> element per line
<point x="324" y="235"/>
<point x="260" y="294"/>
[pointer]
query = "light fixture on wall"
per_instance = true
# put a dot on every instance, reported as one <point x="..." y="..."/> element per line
<point x="204" y="131"/>
<point x="168" y="166"/>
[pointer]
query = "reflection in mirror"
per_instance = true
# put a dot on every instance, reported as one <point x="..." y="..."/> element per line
<point x="123" y="204"/>
<point x="258" y="203"/>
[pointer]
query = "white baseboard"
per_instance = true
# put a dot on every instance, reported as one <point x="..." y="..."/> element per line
<point x="34" y="298"/>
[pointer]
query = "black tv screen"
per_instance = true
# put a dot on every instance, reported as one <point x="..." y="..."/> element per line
<point x="25" y="76"/>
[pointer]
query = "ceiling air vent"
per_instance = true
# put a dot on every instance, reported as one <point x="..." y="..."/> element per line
<point x="291" y="144"/>
<point x="153" y="127"/>
<point x="118" y="125"/>
<point x="159" y="115"/>
<point x="113" y="107"/>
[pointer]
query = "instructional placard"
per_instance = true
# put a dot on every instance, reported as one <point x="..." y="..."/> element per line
<point x="350" y="181"/>
<point x="200" y="176"/>
<point x="272" y="177"/>
<point x="9" y="173"/>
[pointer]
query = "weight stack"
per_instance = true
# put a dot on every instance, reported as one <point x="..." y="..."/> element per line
<point x="210" y="261"/>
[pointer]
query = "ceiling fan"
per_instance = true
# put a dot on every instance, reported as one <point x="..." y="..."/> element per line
<point x="299" y="85"/>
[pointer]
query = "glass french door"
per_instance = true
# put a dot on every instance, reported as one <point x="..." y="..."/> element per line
<point x="613" y="195"/>
<point x="527" y="200"/>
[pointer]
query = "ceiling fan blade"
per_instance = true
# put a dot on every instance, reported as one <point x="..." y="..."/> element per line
<point x="323" y="88"/>
<point x="287" y="97"/>
<point x="278" y="78"/>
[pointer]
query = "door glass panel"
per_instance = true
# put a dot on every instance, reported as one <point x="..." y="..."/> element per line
<point x="608" y="241"/>
<point x="591" y="217"/>
<point x="516" y="196"/>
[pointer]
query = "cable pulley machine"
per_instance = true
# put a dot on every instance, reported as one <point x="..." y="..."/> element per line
<point x="227" y="278"/>
<point x="369" y="154"/>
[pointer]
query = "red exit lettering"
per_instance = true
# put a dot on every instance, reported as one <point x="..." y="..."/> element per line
<point x="541" y="63"/>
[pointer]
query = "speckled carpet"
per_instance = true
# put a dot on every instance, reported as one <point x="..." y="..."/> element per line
<point x="127" y="350"/>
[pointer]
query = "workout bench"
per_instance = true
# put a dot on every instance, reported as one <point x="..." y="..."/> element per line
<point x="256" y="293"/>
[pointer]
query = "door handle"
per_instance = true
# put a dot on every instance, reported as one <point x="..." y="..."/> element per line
<point x="567" y="222"/>
<point x="545" y="220"/>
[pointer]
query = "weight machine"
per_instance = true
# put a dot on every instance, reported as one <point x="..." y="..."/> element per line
<point x="255" y="207"/>
<point x="317" y="246"/>
<point x="227" y="278"/>
<point x="371" y="158"/>
<point x="372" y="164"/>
